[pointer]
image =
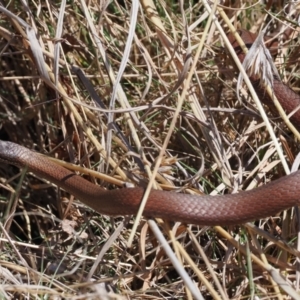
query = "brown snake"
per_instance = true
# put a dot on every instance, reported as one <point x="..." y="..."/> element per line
<point x="288" y="99"/>
<point x="203" y="210"/>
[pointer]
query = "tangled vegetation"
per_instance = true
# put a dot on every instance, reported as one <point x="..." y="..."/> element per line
<point x="140" y="91"/>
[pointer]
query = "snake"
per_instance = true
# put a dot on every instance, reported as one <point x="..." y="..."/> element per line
<point x="229" y="209"/>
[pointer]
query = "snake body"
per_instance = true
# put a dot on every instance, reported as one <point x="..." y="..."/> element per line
<point x="202" y="210"/>
<point x="206" y="210"/>
<point x="288" y="99"/>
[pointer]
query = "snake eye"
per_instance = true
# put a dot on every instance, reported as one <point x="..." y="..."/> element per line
<point x="248" y="45"/>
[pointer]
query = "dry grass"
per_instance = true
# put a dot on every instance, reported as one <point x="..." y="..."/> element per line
<point x="196" y="133"/>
